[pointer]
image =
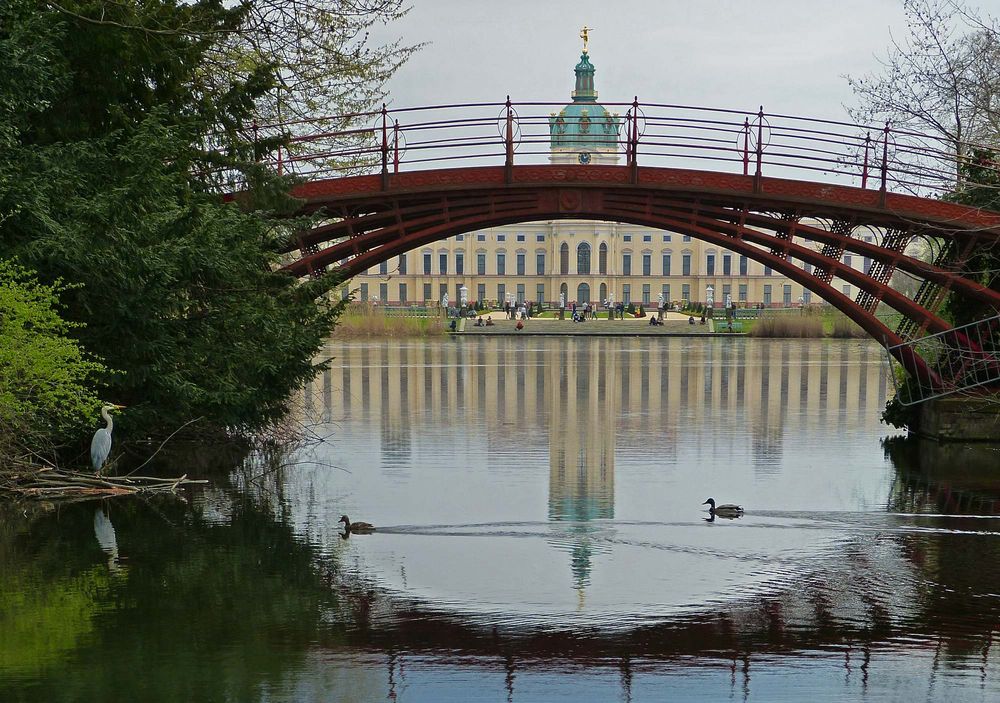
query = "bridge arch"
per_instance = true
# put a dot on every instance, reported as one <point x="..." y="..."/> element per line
<point x="759" y="218"/>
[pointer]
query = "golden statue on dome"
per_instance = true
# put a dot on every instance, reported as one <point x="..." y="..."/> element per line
<point x="585" y="35"/>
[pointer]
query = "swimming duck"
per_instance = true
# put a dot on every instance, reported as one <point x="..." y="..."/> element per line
<point x="356" y="527"/>
<point x="727" y="510"/>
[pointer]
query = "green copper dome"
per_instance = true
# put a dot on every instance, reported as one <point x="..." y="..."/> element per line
<point x="583" y="124"/>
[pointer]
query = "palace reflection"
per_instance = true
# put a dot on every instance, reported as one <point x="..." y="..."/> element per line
<point x="599" y="396"/>
<point x="583" y="401"/>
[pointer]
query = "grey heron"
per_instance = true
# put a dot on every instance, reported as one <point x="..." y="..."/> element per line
<point x="100" y="445"/>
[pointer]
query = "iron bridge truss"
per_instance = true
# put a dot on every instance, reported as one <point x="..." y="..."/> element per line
<point x="383" y="183"/>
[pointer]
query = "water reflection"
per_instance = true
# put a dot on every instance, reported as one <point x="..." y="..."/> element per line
<point x="543" y="539"/>
<point x="685" y="418"/>
<point x="104" y="531"/>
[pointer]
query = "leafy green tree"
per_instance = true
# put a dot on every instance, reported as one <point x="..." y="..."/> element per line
<point x="46" y="379"/>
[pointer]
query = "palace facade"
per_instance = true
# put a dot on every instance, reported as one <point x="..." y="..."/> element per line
<point x="585" y="261"/>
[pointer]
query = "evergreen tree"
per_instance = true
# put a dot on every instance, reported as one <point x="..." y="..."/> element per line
<point x="118" y="134"/>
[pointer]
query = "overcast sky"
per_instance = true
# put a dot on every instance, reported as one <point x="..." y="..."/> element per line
<point x="789" y="55"/>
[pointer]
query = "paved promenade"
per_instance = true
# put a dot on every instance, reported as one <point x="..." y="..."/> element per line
<point x="674" y="325"/>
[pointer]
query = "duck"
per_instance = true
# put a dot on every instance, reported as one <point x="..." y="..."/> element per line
<point x="726" y="510"/>
<point x="356" y="527"/>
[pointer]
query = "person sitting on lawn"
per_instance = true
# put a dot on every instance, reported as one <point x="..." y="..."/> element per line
<point x="489" y="321"/>
<point x="519" y="326"/>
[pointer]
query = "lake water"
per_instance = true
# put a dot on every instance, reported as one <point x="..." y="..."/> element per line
<point x="541" y="538"/>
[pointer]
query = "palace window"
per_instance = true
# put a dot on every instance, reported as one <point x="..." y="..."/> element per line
<point x="564" y="259"/>
<point x="647" y="264"/>
<point x="519" y="263"/>
<point x="583" y="259"/>
<point x="428" y="296"/>
<point x="743" y="265"/>
<point x="443" y="264"/>
<point x="459" y="263"/>
<point x="710" y="265"/>
<point x="427" y="264"/>
<point x="666" y="264"/>
<point x="402" y="293"/>
<point x="602" y="259"/>
<point x="626" y="264"/>
<point x="402" y="264"/>
<point x="645" y="294"/>
<point x="383" y="292"/>
<point x="540" y="264"/>
<point x="767" y="294"/>
<point x="481" y="264"/>
<point x="383" y="268"/>
<point x="685" y="264"/>
<point x="727" y="264"/>
<point x="501" y="263"/>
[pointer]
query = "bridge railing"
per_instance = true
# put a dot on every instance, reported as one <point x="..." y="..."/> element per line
<point x="964" y="359"/>
<point x="751" y="142"/>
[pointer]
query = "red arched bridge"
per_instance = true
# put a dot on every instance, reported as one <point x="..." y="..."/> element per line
<point x="792" y="193"/>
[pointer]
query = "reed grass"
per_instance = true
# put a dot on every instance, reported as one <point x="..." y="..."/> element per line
<point x="846" y="328"/>
<point x="810" y="323"/>
<point x="788" y="326"/>
<point x="367" y="322"/>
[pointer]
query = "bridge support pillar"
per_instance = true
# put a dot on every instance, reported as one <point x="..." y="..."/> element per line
<point x="960" y="419"/>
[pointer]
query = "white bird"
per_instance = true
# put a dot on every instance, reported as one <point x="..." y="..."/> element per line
<point x="100" y="445"/>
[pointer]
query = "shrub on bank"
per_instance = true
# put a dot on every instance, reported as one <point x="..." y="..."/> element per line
<point x="47" y="380"/>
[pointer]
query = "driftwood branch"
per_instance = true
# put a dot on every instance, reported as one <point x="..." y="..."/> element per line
<point x="44" y="483"/>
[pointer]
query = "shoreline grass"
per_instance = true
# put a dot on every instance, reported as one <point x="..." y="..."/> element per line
<point x="367" y="322"/>
<point x="807" y="324"/>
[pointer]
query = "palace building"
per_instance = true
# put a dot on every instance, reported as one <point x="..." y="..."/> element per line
<point x="585" y="261"/>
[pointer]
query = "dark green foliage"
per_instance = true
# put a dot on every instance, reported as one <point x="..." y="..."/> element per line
<point x="109" y="135"/>
<point x="980" y="188"/>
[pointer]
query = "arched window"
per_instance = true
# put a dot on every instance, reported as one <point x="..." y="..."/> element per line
<point x="583" y="259"/>
<point x="583" y="294"/>
<point x="602" y="261"/>
<point x="565" y="295"/>
<point x="604" y="292"/>
<point x="564" y="259"/>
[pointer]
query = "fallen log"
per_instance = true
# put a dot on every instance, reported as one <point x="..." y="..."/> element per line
<point x="50" y="484"/>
